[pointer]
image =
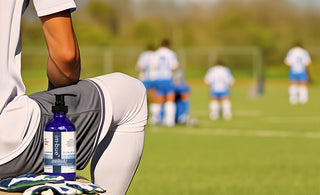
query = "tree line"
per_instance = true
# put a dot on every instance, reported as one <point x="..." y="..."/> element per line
<point x="273" y="26"/>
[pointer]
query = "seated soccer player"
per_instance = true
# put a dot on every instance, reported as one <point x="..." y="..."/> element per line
<point x="109" y="126"/>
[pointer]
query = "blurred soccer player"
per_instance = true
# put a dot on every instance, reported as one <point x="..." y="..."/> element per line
<point x="219" y="78"/>
<point x="147" y="71"/>
<point x="182" y="92"/>
<point x="144" y="66"/>
<point x="298" y="59"/>
<point x="182" y="99"/>
<point x="166" y="62"/>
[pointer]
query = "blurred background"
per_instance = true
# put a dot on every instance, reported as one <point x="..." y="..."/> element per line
<point x="247" y="34"/>
<point x="269" y="146"/>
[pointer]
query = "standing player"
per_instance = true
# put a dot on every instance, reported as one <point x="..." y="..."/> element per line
<point x="166" y="62"/>
<point x="147" y="71"/>
<point x="219" y="78"/>
<point x="144" y="66"/>
<point x="298" y="59"/>
<point x="109" y="111"/>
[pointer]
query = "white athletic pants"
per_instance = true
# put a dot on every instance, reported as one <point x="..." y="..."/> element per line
<point x="118" y="163"/>
<point x="121" y="141"/>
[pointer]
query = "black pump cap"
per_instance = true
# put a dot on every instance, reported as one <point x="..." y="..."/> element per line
<point x="59" y="106"/>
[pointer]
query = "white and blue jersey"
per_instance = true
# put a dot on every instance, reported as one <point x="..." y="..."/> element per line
<point x="298" y="58"/>
<point x="219" y="78"/>
<point x="147" y="68"/>
<point x="166" y="61"/>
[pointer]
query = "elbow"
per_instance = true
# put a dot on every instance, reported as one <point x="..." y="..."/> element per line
<point x="66" y="66"/>
<point x="72" y="78"/>
<point x="70" y="58"/>
<point x="72" y="64"/>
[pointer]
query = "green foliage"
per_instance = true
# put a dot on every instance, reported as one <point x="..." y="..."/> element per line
<point x="95" y="36"/>
<point x="271" y="26"/>
<point x="145" y="31"/>
<point x="32" y="34"/>
<point x="103" y="13"/>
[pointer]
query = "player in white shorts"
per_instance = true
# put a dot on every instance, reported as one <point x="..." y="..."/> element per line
<point x="219" y="78"/>
<point x="298" y="59"/>
<point x="166" y="62"/>
<point x="109" y="125"/>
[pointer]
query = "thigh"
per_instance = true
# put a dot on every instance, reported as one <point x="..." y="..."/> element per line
<point x="127" y="98"/>
<point x="85" y="110"/>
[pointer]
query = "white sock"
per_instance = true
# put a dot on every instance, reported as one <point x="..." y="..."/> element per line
<point x="169" y="113"/>
<point x="293" y="94"/>
<point x="303" y="94"/>
<point x="226" y="109"/>
<point x="214" y="109"/>
<point x="155" y="110"/>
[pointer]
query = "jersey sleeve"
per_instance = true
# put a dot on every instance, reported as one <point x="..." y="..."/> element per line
<point x="230" y="76"/>
<point x="175" y="62"/>
<point x="307" y="58"/>
<point x="207" y="78"/>
<point x="47" y="7"/>
<point x="288" y="59"/>
<point x="142" y="60"/>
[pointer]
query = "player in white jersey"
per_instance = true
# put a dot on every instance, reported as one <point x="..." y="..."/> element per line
<point x="109" y="119"/>
<point x="219" y="78"/>
<point x="298" y="59"/>
<point x="147" y="70"/>
<point x="144" y="66"/>
<point x="166" y="63"/>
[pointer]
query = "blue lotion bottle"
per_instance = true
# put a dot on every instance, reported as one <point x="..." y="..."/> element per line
<point x="60" y="143"/>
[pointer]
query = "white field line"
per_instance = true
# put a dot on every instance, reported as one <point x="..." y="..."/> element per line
<point x="253" y="113"/>
<point x="247" y="112"/>
<point x="300" y="119"/>
<point x="249" y="133"/>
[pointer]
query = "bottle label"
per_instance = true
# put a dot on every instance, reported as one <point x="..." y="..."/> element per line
<point x="59" y="152"/>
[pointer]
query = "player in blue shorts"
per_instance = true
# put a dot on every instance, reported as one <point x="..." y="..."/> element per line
<point x="298" y="59"/>
<point x="147" y="71"/>
<point x="219" y="78"/>
<point x="166" y="63"/>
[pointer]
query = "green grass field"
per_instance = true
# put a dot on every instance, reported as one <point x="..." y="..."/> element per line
<point x="268" y="148"/>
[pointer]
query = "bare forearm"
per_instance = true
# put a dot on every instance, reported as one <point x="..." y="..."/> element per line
<point x="64" y="65"/>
